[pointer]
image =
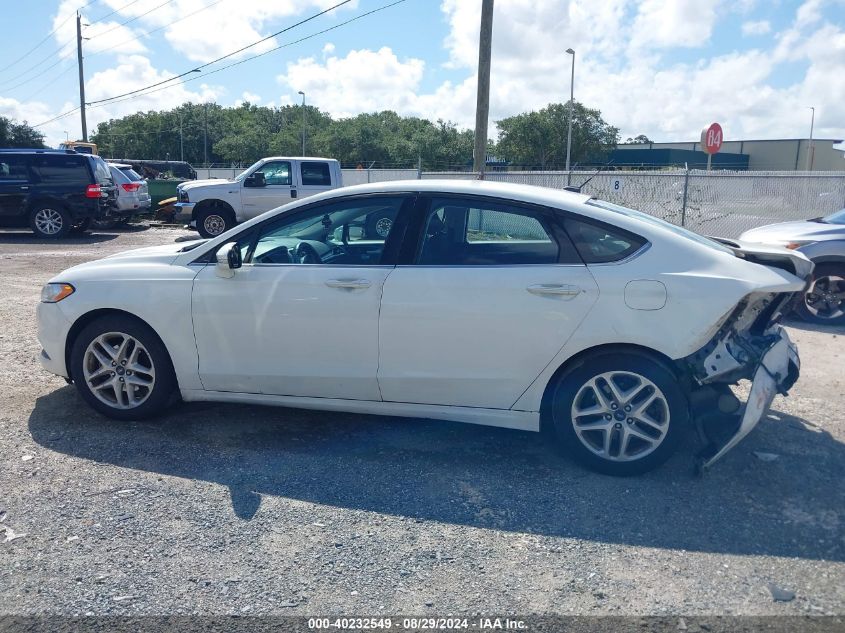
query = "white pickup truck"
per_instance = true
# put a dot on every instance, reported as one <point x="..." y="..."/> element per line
<point x="216" y="205"/>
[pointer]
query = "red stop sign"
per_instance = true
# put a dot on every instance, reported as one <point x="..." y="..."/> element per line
<point x="711" y="138"/>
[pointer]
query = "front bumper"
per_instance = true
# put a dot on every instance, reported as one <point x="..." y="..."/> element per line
<point x="775" y="373"/>
<point x="53" y="329"/>
<point x="184" y="212"/>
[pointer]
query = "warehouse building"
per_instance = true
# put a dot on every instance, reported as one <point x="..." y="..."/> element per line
<point x="756" y="155"/>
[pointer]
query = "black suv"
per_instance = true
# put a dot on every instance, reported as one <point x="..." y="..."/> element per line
<point x="54" y="191"/>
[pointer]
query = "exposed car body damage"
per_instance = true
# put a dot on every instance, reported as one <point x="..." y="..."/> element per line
<point x="750" y="344"/>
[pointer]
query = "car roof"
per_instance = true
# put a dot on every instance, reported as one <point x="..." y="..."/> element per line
<point x="300" y="158"/>
<point x="518" y="192"/>
<point x="119" y="165"/>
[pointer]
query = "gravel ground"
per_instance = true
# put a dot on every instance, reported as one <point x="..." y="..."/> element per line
<point x="225" y="509"/>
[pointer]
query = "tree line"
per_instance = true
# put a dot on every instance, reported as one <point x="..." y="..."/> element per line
<point x="213" y="134"/>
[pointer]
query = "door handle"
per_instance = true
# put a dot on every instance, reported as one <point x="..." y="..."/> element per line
<point x="350" y="284"/>
<point x="557" y="290"/>
<point x="293" y="193"/>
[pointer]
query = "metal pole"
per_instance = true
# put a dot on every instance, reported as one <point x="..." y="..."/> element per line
<point x="181" y="140"/>
<point x="709" y="160"/>
<point x="810" y="144"/>
<point x="303" y="122"/>
<point x="205" y="136"/>
<point x="482" y="107"/>
<point x="419" y="167"/>
<point x="571" y="113"/>
<point x="81" y="76"/>
<point x="684" y="201"/>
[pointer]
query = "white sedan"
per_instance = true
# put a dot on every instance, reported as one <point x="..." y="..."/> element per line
<point x="490" y="303"/>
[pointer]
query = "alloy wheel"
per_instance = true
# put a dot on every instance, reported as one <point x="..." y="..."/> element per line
<point x="214" y="224"/>
<point x="49" y="221"/>
<point x="118" y="370"/>
<point x="825" y="298"/>
<point x="621" y="416"/>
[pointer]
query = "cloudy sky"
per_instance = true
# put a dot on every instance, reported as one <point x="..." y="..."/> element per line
<point x="665" y="68"/>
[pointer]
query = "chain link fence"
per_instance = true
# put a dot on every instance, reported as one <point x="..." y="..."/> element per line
<point x="719" y="203"/>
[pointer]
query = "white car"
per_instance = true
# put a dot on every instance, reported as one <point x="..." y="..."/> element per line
<point x="215" y="206"/>
<point x="490" y="303"/>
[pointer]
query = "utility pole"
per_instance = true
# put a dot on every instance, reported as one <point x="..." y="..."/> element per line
<point x="571" y="114"/>
<point x="482" y="108"/>
<point x="810" y="144"/>
<point x="81" y="76"/>
<point x="181" y="140"/>
<point x="205" y="136"/>
<point x="303" y="122"/>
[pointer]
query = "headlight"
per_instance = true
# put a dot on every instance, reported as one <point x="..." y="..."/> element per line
<point x="53" y="293"/>
<point x="182" y="195"/>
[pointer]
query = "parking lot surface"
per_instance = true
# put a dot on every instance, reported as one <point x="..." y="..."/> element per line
<point x="227" y="509"/>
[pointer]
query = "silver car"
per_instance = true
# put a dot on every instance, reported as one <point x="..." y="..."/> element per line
<point x="132" y="193"/>
<point x="823" y="241"/>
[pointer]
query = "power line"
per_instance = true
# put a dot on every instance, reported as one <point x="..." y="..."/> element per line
<point x="114" y="28"/>
<point x="272" y="50"/>
<point x="36" y="65"/>
<point x="125" y="6"/>
<point x="46" y="37"/>
<point x="148" y="33"/>
<point x="47" y="84"/>
<point x="264" y="39"/>
<point x="132" y="95"/>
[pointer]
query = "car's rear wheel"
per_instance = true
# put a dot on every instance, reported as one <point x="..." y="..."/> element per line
<point x="122" y="369"/>
<point x="50" y="221"/>
<point x="824" y="301"/>
<point x="214" y="220"/>
<point x="620" y="413"/>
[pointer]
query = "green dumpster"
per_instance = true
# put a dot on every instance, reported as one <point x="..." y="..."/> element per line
<point x="161" y="189"/>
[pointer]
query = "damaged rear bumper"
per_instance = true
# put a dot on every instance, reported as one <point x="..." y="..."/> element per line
<point x="775" y="373"/>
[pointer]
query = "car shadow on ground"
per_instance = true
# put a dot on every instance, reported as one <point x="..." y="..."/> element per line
<point x="91" y="237"/>
<point x="479" y="476"/>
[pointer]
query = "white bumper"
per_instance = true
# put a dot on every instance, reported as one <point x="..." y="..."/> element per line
<point x="53" y="329"/>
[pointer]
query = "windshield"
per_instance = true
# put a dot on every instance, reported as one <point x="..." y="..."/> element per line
<point x="248" y="170"/>
<point x="835" y="218"/>
<point x="650" y="219"/>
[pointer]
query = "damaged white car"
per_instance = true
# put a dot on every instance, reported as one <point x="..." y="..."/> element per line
<point x="490" y="303"/>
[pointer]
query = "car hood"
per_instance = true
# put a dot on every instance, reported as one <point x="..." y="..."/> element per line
<point x="794" y="231"/>
<point x="196" y="184"/>
<point x="109" y="266"/>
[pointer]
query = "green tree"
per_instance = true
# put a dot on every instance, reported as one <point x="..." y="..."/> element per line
<point x="639" y="138"/>
<point x="14" y="134"/>
<point x="538" y="139"/>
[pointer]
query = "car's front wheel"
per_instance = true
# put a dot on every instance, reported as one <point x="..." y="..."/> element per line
<point x="214" y="220"/>
<point x="121" y="368"/>
<point x="619" y="413"/>
<point x="824" y="301"/>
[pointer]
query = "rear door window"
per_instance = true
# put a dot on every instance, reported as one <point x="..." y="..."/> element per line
<point x="63" y="169"/>
<point x="14" y="168"/>
<point x="316" y="173"/>
<point x="599" y="243"/>
<point x="102" y="173"/>
<point x="130" y="173"/>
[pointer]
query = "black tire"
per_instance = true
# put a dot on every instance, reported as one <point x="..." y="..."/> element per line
<point x="155" y="399"/>
<point x="50" y="221"/>
<point x="82" y="226"/>
<point x="573" y="383"/>
<point x="828" y="279"/>
<point x="212" y="220"/>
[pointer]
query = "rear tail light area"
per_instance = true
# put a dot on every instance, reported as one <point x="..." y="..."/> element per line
<point x="131" y="187"/>
<point x="94" y="191"/>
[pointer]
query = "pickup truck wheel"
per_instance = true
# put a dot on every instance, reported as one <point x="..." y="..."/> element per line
<point x="619" y="414"/>
<point x="824" y="301"/>
<point x="50" y="221"/>
<point x="213" y="221"/>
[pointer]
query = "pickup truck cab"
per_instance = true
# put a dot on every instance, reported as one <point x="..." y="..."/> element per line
<point x="214" y="206"/>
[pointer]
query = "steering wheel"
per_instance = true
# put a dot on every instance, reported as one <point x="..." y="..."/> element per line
<point x="306" y="254"/>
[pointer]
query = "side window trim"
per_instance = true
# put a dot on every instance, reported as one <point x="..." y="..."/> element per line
<point x="391" y="248"/>
<point x="549" y="218"/>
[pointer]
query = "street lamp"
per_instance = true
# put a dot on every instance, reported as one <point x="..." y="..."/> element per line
<point x="810" y="144"/>
<point x="303" y="122"/>
<point x="571" y="111"/>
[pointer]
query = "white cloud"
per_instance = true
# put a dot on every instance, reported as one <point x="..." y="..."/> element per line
<point x="362" y="81"/>
<point x="670" y="23"/>
<point x="759" y="27"/>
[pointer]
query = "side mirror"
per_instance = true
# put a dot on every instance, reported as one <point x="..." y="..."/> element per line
<point x="255" y="180"/>
<point x="228" y="260"/>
